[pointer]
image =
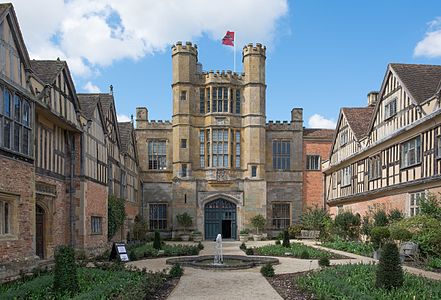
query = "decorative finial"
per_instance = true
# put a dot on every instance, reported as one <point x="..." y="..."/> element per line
<point x="111" y="90"/>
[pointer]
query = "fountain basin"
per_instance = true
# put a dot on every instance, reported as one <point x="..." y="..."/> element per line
<point x="231" y="262"/>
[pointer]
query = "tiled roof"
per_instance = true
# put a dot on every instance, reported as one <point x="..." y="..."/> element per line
<point x="422" y="81"/>
<point x="47" y="70"/>
<point x="125" y="131"/>
<point x="359" y="119"/>
<point x="88" y="103"/>
<point x="318" y="133"/>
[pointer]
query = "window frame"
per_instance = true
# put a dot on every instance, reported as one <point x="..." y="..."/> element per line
<point x="347" y="175"/>
<point x="344" y="137"/>
<point x="310" y="162"/>
<point x="276" y="222"/>
<point x="183" y="95"/>
<point x="415" y="197"/>
<point x="387" y="108"/>
<point x="374" y="170"/>
<point x="98" y="224"/>
<point x="158" y="157"/>
<point x="161" y="221"/>
<point x="404" y="164"/>
<point x="253" y="171"/>
<point x="281" y="154"/>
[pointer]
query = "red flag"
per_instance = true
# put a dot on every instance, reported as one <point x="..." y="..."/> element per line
<point x="228" y="38"/>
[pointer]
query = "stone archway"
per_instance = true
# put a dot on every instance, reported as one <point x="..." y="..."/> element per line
<point x="40" y="237"/>
<point x="220" y="216"/>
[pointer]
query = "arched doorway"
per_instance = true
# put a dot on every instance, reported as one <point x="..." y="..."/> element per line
<point x="39" y="231"/>
<point x="220" y="217"/>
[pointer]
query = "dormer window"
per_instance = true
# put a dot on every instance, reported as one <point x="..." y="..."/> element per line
<point x="390" y="108"/>
<point x="344" y="137"/>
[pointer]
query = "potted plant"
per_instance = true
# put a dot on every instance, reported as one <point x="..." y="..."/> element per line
<point x="244" y="234"/>
<point x="197" y="236"/>
<point x="258" y="222"/>
<point x="185" y="220"/>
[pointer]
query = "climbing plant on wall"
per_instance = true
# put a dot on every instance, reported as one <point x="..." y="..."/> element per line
<point x="116" y="215"/>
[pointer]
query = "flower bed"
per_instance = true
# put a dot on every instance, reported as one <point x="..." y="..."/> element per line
<point x="94" y="283"/>
<point x="358" y="248"/>
<point x="296" y="250"/>
<point x="147" y="251"/>
<point x="358" y="282"/>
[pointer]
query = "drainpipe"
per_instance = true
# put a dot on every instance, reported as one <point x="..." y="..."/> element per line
<point x="71" y="144"/>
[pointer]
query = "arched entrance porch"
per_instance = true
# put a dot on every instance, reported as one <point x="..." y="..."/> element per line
<point x="220" y="216"/>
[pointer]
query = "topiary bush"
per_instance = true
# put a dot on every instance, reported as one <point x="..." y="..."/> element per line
<point x="267" y="270"/>
<point x="157" y="241"/>
<point x="286" y="242"/>
<point x="324" y="262"/>
<point x="65" y="273"/>
<point x="176" y="271"/>
<point x="295" y="230"/>
<point x="243" y="246"/>
<point x="389" y="273"/>
<point x="400" y="234"/>
<point x="304" y="254"/>
<point x="347" y="225"/>
<point x="380" y="218"/>
<point x="379" y="235"/>
<point x="200" y="246"/>
<point x="258" y="222"/>
<point x="395" y="215"/>
<point x="249" y="251"/>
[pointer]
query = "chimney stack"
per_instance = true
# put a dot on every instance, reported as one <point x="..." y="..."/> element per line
<point x="372" y="98"/>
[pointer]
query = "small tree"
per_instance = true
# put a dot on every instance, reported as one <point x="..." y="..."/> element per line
<point x="389" y="272"/>
<point x="347" y="225"/>
<point x="380" y="218"/>
<point x="286" y="242"/>
<point x="431" y="206"/>
<point x="185" y="220"/>
<point x="140" y="229"/>
<point x="157" y="240"/>
<point x="379" y="236"/>
<point x="116" y="215"/>
<point x="258" y="222"/>
<point x="65" y="273"/>
<point x="395" y="215"/>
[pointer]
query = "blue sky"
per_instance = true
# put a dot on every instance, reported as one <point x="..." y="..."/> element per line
<point x="322" y="55"/>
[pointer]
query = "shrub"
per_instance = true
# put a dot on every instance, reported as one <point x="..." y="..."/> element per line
<point x="249" y="251"/>
<point x="176" y="271"/>
<point x="434" y="263"/>
<point x="258" y="222"/>
<point x="277" y="242"/>
<point x="245" y="231"/>
<point x="304" y="255"/>
<point x="140" y="229"/>
<point x="379" y="236"/>
<point x="116" y="215"/>
<point x="157" y="241"/>
<point x="65" y="273"/>
<point x="366" y="225"/>
<point x="315" y="218"/>
<point x="400" y="234"/>
<point x="200" y="246"/>
<point x="243" y="246"/>
<point x="431" y="206"/>
<point x="355" y="247"/>
<point x="389" y="273"/>
<point x="395" y="215"/>
<point x="380" y="218"/>
<point x="286" y="239"/>
<point x="295" y="230"/>
<point x="324" y="262"/>
<point x="185" y="220"/>
<point x="347" y="225"/>
<point x="267" y="270"/>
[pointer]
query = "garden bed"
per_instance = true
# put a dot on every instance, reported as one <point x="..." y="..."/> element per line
<point x="350" y="282"/>
<point x="95" y="283"/>
<point x="296" y="250"/>
<point x="147" y="251"/>
<point x="358" y="248"/>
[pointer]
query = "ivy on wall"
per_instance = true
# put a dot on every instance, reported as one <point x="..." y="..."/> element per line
<point x="116" y="215"/>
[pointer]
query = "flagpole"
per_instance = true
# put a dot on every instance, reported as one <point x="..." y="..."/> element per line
<point x="234" y="51"/>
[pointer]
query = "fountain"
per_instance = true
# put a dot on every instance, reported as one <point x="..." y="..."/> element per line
<point x="220" y="261"/>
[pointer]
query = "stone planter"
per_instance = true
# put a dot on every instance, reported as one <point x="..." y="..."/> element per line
<point x="197" y="237"/>
<point x="185" y="237"/>
<point x="243" y="237"/>
<point x="257" y="237"/>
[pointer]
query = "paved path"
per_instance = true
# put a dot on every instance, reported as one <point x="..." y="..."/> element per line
<point x="247" y="284"/>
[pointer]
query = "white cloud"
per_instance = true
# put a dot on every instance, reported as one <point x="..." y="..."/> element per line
<point x="318" y="121"/>
<point x="123" y="118"/>
<point x="430" y="45"/>
<point x="91" y="34"/>
<point x="91" y="88"/>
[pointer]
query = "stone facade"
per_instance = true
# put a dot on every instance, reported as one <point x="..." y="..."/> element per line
<point x="218" y="152"/>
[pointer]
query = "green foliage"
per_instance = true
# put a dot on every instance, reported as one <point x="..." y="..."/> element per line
<point x="389" y="272"/>
<point x="147" y="250"/>
<point x="200" y="246"/>
<point x="380" y="218"/>
<point x="157" y="241"/>
<point x="176" y="271"/>
<point x="315" y="218"/>
<point x="295" y="250"/>
<point x="400" y="234"/>
<point x="267" y="270"/>
<point x="347" y="225"/>
<point x="355" y="247"/>
<point x="185" y="220"/>
<point x="304" y="254"/>
<point x="258" y="222"/>
<point x="277" y="242"/>
<point x="140" y="229"/>
<point x="379" y="235"/>
<point x="395" y="215"/>
<point x="286" y="243"/>
<point x="426" y="232"/>
<point x="245" y="231"/>
<point x="356" y="281"/>
<point x="431" y="206"/>
<point x="366" y="225"/>
<point x="295" y="230"/>
<point x="243" y="246"/>
<point x="434" y="263"/>
<point x="324" y="262"/>
<point x="249" y="251"/>
<point x="66" y="280"/>
<point x="116" y="215"/>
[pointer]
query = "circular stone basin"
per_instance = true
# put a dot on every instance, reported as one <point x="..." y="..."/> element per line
<point x="231" y="262"/>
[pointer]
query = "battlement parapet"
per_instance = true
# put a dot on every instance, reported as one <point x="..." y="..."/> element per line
<point x="158" y="124"/>
<point x="187" y="48"/>
<point x="250" y="49"/>
<point x="281" y="125"/>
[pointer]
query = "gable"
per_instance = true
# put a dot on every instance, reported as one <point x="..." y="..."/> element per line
<point x="344" y="140"/>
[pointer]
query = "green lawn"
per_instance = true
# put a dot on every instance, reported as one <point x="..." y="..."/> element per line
<point x="94" y="284"/>
<point x="295" y="249"/>
<point x="346" y="282"/>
